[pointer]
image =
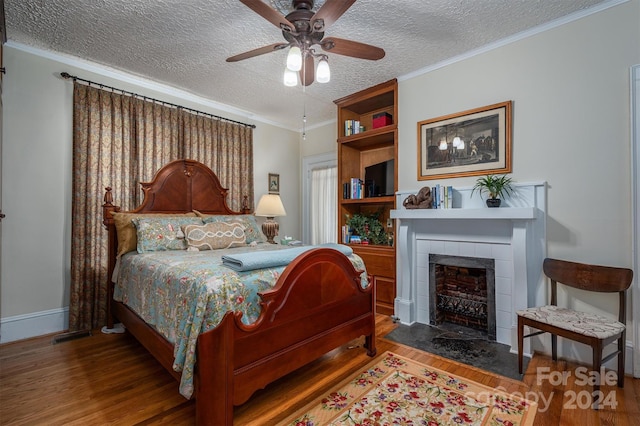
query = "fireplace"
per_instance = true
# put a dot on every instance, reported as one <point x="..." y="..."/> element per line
<point x="462" y="291"/>
<point x="510" y="239"/>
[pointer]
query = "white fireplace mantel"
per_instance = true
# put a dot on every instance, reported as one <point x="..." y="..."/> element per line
<point x="450" y="214"/>
<point x="513" y="235"/>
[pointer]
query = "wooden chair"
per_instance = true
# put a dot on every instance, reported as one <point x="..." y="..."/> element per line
<point x="591" y="329"/>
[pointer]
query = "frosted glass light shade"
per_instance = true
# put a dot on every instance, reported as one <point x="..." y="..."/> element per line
<point x="323" y="73"/>
<point x="290" y="78"/>
<point x="294" y="59"/>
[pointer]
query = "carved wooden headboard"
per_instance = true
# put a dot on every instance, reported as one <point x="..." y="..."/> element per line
<point x="181" y="186"/>
<point x="184" y="186"/>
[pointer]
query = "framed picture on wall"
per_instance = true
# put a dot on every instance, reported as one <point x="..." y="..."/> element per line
<point x="274" y="183"/>
<point x="469" y="143"/>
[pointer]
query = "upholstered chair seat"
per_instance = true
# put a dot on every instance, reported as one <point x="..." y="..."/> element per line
<point x="587" y="324"/>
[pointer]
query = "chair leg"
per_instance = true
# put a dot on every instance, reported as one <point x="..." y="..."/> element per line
<point x="554" y="347"/>
<point x="520" y="344"/>
<point x="621" y="348"/>
<point x="597" y="364"/>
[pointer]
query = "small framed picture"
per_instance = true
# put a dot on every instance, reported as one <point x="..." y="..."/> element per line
<point x="274" y="183"/>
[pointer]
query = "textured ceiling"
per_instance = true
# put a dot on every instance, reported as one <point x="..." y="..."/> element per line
<point x="184" y="44"/>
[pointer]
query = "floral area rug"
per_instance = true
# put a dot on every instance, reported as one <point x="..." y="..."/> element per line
<point x="394" y="390"/>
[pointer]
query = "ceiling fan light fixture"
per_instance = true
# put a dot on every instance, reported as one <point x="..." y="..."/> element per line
<point x="323" y="73"/>
<point x="303" y="29"/>
<point x="290" y="78"/>
<point x="294" y="59"/>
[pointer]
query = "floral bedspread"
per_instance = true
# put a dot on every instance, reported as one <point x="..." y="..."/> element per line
<point x="182" y="293"/>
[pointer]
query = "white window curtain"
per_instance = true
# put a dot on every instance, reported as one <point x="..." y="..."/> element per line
<point x="324" y="186"/>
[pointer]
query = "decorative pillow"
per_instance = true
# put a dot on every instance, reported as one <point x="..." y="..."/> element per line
<point x="126" y="230"/>
<point x="251" y="228"/>
<point x="162" y="233"/>
<point x="216" y="235"/>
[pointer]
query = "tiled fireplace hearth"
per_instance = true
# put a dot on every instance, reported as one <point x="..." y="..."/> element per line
<point x="512" y="238"/>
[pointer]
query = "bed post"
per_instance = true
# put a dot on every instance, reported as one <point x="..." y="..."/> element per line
<point x="370" y="339"/>
<point x="107" y="220"/>
<point x="214" y="379"/>
<point x="245" y="205"/>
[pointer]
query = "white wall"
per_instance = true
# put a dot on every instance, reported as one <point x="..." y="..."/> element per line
<point x="571" y="127"/>
<point x="320" y="140"/>
<point x="570" y="92"/>
<point x="36" y="179"/>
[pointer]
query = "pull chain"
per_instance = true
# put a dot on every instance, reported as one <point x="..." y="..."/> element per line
<point x="304" y="101"/>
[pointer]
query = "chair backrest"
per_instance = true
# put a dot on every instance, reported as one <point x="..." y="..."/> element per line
<point x="604" y="279"/>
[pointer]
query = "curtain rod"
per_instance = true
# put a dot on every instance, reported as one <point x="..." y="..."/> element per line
<point x="67" y="76"/>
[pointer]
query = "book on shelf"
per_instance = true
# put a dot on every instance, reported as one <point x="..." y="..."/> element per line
<point x="356" y="189"/>
<point x="351" y="127"/>
<point x="442" y="197"/>
<point x="345" y="234"/>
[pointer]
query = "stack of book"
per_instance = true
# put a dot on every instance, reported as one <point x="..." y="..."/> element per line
<point x="345" y="234"/>
<point x="351" y="127"/>
<point x="442" y="197"/>
<point x="354" y="189"/>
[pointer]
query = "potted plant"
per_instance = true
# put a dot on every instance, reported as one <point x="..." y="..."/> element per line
<point x="494" y="185"/>
<point x="368" y="227"/>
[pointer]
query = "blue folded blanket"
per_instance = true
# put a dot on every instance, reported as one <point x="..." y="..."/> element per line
<point x="267" y="259"/>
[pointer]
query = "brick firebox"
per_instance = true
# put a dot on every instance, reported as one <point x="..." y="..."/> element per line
<point x="462" y="291"/>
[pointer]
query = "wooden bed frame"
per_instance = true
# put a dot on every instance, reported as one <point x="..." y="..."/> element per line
<point x="316" y="306"/>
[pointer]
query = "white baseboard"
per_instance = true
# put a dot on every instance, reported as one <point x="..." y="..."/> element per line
<point x="35" y="324"/>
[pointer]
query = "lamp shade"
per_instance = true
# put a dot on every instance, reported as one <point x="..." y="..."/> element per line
<point x="323" y="73"/>
<point x="270" y="205"/>
<point x="294" y="59"/>
<point x="290" y="78"/>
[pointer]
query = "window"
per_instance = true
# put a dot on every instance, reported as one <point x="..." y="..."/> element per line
<point x="319" y="198"/>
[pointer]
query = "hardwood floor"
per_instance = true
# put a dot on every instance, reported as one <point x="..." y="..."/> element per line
<point x="111" y="379"/>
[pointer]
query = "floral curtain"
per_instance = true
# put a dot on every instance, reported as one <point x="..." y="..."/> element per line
<point x="119" y="141"/>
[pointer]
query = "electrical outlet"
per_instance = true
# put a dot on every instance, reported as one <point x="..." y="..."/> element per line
<point x="389" y="223"/>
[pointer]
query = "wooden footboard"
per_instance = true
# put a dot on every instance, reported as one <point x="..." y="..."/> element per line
<point x="317" y="305"/>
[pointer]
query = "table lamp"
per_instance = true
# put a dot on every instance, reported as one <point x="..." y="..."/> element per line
<point x="270" y="206"/>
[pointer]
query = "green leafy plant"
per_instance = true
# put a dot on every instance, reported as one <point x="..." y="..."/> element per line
<point x="369" y="227"/>
<point x="494" y="185"/>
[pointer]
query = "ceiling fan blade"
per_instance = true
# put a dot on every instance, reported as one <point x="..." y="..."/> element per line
<point x="352" y="48"/>
<point x="257" y="52"/>
<point x="329" y="13"/>
<point x="307" y="72"/>
<point x="270" y="14"/>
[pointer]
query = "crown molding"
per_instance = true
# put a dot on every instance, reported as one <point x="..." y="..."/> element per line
<point x="516" y="37"/>
<point x="139" y="81"/>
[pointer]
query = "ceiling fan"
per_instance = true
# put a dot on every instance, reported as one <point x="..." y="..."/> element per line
<point x="303" y="29"/>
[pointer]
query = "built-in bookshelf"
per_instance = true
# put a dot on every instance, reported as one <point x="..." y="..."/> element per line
<point x="367" y="178"/>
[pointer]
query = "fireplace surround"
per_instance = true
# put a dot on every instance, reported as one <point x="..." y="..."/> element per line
<point x="512" y="236"/>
